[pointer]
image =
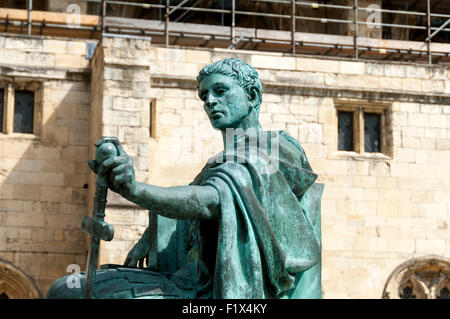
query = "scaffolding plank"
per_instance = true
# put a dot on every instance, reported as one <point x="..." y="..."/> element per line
<point x="49" y="17"/>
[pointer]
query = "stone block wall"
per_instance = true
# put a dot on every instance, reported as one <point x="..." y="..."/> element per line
<point x="120" y="103"/>
<point x="43" y="176"/>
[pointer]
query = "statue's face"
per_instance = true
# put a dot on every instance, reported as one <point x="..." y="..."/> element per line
<point x="224" y="101"/>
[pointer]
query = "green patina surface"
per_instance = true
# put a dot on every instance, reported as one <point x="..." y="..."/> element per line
<point x="248" y="226"/>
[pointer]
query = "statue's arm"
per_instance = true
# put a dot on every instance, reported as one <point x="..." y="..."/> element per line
<point x="179" y="202"/>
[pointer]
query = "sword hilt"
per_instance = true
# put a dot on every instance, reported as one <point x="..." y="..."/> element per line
<point x="95" y="225"/>
<point x="97" y="228"/>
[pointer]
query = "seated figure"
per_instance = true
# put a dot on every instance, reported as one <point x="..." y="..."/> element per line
<point x="248" y="226"/>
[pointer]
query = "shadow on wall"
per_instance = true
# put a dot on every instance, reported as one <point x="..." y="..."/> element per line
<point x="44" y="183"/>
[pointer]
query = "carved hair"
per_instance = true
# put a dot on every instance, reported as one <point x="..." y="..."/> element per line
<point x="244" y="73"/>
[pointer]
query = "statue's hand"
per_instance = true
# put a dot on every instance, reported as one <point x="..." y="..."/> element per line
<point x="118" y="171"/>
<point x="139" y="253"/>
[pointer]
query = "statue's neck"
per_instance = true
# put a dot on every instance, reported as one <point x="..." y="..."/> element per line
<point x="230" y="135"/>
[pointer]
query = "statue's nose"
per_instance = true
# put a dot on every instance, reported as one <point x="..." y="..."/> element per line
<point x="211" y="100"/>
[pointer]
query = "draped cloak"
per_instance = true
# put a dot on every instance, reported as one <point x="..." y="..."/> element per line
<point x="265" y="242"/>
<point x="263" y="239"/>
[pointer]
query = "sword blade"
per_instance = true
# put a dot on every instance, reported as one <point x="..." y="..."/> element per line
<point x="152" y="257"/>
<point x="101" y="192"/>
<point x="91" y="268"/>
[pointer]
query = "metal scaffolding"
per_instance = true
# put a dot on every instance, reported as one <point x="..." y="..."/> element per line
<point x="230" y="38"/>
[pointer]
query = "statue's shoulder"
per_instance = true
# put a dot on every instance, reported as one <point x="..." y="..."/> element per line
<point x="292" y="140"/>
<point x="294" y="144"/>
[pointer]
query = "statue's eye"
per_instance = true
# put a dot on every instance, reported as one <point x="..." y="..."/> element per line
<point x="220" y="90"/>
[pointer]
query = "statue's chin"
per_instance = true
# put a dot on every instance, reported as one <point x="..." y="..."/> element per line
<point x="222" y="124"/>
<point x="223" y="127"/>
<point x="218" y="124"/>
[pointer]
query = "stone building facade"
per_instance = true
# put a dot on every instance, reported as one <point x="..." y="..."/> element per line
<point x="44" y="177"/>
<point x="380" y="210"/>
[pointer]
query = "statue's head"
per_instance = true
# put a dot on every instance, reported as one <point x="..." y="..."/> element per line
<point x="231" y="92"/>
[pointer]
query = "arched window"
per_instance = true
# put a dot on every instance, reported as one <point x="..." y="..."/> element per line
<point x="420" y="278"/>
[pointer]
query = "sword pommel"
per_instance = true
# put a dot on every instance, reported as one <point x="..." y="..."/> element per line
<point x="105" y="151"/>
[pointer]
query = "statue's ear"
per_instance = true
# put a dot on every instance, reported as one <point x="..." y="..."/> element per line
<point x="254" y="96"/>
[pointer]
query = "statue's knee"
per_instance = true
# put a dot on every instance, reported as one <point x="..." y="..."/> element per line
<point x="68" y="287"/>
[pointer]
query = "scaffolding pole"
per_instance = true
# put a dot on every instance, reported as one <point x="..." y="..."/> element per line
<point x="233" y="22"/>
<point x="355" y="36"/>
<point x="293" y="26"/>
<point x="430" y="61"/>
<point x="166" y="29"/>
<point x="103" y="12"/>
<point x="29" y="11"/>
<point x="442" y="27"/>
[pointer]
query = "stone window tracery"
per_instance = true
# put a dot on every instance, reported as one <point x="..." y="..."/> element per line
<point x="420" y="278"/>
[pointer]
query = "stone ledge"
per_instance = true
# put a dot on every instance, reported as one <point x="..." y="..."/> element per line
<point x="82" y="74"/>
<point x="167" y="81"/>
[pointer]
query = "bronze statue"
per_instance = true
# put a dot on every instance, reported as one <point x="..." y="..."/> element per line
<point x="248" y="226"/>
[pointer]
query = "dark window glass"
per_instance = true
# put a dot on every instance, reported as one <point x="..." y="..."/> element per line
<point x="1" y="108"/>
<point x="4" y="296"/>
<point x="23" y="112"/>
<point x="93" y="8"/>
<point x="345" y="131"/>
<point x="407" y="293"/>
<point x="372" y="127"/>
<point x="443" y="294"/>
